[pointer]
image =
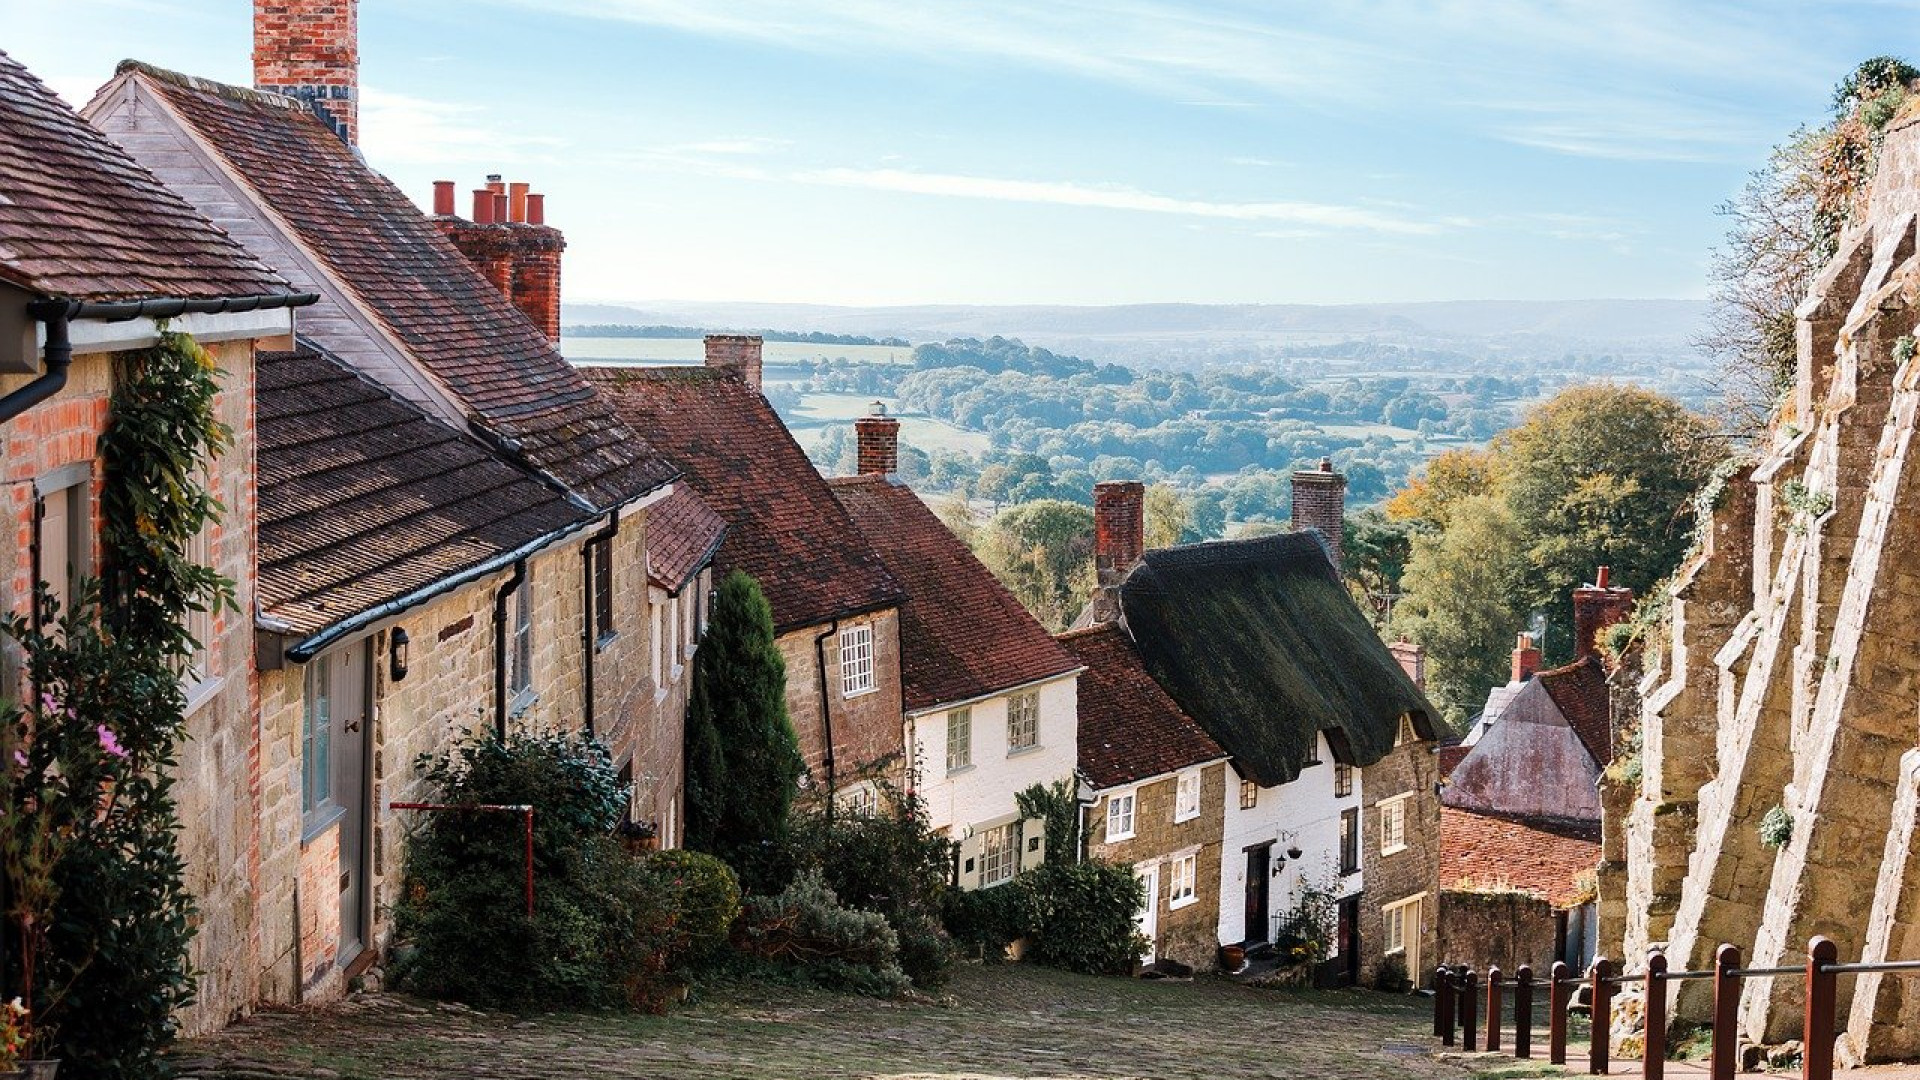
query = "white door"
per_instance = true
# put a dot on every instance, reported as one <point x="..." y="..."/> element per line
<point x="1150" y="915"/>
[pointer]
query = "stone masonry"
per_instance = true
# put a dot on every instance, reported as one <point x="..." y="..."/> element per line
<point x="1413" y="871"/>
<point x="1190" y="933"/>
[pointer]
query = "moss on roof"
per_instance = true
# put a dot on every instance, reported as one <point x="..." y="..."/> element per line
<point x="1261" y="643"/>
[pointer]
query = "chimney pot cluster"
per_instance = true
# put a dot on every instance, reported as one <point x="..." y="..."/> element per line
<point x="1596" y="607"/>
<point x="521" y="260"/>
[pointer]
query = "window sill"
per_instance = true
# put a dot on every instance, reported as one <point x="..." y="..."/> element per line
<point x="1179" y="818"/>
<point x="1117" y="837"/>
<point x="1349" y="871"/>
<point x="1184" y="902"/>
<point x="1394" y="850"/>
<point x="605" y="641"/>
<point x="678" y="670"/>
<point x="849" y="695"/>
<point x="1396" y="950"/>
<point x="1021" y="751"/>
<point x="319" y="821"/>
<point x="959" y="770"/>
<point x="199" y="693"/>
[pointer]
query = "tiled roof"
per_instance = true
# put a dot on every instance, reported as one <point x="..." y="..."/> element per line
<point x="1129" y="728"/>
<point x="1551" y="860"/>
<point x="784" y="526"/>
<point x="1580" y="691"/>
<point x="962" y="634"/>
<point x="1450" y="758"/>
<point x="682" y="535"/>
<point x="404" y="273"/>
<point x="1260" y="641"/>
<point x="81" y="220"/>
<point x="365" y="499"/>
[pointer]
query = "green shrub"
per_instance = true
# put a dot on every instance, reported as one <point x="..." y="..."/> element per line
<point x="986" y="921"/>
<point x="1776" y="827"/>
<point x="706" y="900"/>
<point x="806" y="931"/>
<point x="1084" y="916"/>
<point x="1391" y="977"/>
<point x="1057" y="804"/>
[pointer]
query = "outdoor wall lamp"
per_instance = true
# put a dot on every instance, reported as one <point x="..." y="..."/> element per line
<point x="397" y="648"/>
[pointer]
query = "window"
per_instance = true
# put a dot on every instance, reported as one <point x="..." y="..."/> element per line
<point x="1395" y="917"/>
<point x="671" y="641"/>
<point x="1401" y="929"/>
<point x="1393" y="824"/>
<point x="1313" y="753"/>
<point x="316" y="742"/>
<point x="1119" y="817"/>
<point x="1350" y="841"/>
<point x="959" y="739"/>
<point x="520" y="654"/>
<point x="199" y="667"/>
<point x="862" y="800"/>
<point x="1023" y="721"/>
<point x="690" y="619"/>
<point x="999" y="854"/>
<point x="1180" y="875"/>
<point x="1186" y="797"/>
<point x="1342" y="780"/>
<point x="600" y="553"/>
<point x="856" y="661"/>
<point x="656" y="612"/>
<point x="1249" y="794"/>
<point x="64" y="533"/>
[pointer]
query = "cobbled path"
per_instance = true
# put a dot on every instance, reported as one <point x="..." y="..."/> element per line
<point x="992" y="1023"/>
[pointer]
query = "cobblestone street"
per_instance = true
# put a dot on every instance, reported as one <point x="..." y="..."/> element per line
<point x="1018" y="1021"/>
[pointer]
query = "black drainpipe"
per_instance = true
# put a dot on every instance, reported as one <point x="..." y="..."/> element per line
<point x="826" y="708"/>
<point x="590" y="642"/>
<point x="59" y="355"/>
<point x="500" y="597"/>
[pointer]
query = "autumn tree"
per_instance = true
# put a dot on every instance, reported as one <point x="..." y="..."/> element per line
<point x="1043" y="552"/>
<point x="1166" y="516"/>
<point x="1462" y="604"/>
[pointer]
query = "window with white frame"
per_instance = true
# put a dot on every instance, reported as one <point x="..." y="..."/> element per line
<point x="1186" y="797"/>
<point x="856" y="660"/>
<point x="1120" y="816"/>
<point x="1180" y="877"/>
<point x="1249" y="794"/>
<point x="657" y="614"/>
<point x="1393" y="824"/>
<point x="1401" y="929"/>
<point x="1023" y="721"/>
<point x="63" y="537"/>
<point x="689" y="619"/>
<point x="1342" y="780"/>
<point x="862" y="800"/>
<point x="1395" y="918"/>
<point x="316" y="742"/>
<point x="199" y="666"/>
<point x="959" y="739"/>
<point x="999" y="854"/>
<point x="520" y="651"/>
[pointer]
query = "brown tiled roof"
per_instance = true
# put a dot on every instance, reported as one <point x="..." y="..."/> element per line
<point x="1580" y="691"/>
<point x="784" y="526"/>
<point x="682" y="534"/>
<point x="81" y="220"/>
<point x="1552" y="860"/>
<point x="405" y="274"/>
<point x="365" y="499"/>
<point x="1129" y="728"/>
<point x="962" y="634"/>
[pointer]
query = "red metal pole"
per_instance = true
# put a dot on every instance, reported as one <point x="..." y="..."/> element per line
<point x="1558" y="986"/>
<point x="1726" y="1007"/>
<point x="1469" y="1029"/>
<point x="1495" y="983"/>
<point x="1601" y="1041"/>
<point x="1653" y="1059"/>
<point x="1523" y="1012"/>
<point x="1816" y="1040"/>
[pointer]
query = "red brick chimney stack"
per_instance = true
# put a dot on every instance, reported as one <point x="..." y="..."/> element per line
<point x="511" y="245"/>
<point x="310" y="49"/>
<point x="1320" y="502"/>
<point x="1526" y="658"/>
<point x="738" y="353"/>
<point x="1119" y="528"/>
<point x="1596" y="607"/>
<point x="1413" y="660"/>
<point x="879" y="440"/>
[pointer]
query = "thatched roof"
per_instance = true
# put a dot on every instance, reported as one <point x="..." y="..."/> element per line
<point x="1260" y="641"/>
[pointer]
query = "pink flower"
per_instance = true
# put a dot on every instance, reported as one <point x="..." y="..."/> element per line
<point x="21" y="757"/>
<point x="110" y="742"/>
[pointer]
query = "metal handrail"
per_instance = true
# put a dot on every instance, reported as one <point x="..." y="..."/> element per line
<point x="1897" y="966"/>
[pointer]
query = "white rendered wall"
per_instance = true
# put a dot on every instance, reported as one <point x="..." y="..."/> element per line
<point x="983" y="792"/>
<point x="1303" y="813"/>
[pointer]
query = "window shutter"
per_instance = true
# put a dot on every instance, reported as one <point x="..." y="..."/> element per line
<point x="970" y="851"/>
<point x="1033" y="839"/>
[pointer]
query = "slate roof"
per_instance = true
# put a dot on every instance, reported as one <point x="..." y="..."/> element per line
<point x="784" y="526"/>
<point x="683" y="533"/>
<point x="1547" y="859"/>
<point x="1260" y="642"/>
<point x="405" y="274"/>
<point x="1129" y="728"/>
<point x="1580" y="691"/>
<point x="962" y="634"/>
<point x="81" y="220"/>
<point x="364" y="499"/>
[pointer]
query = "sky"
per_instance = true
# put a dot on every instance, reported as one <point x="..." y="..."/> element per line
<point x="871" y="152"/>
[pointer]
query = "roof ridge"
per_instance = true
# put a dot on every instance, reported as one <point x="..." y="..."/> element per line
<point x="210" y="86"/>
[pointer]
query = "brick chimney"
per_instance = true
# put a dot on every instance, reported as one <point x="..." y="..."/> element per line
<point x="879" y="439"/>
<point x="511" y="245"/>
<point x="1119" y="528"/>
<point x="1320" y="502"/>
<point x="1526" y="658"/>
<point x="1413" y="660"/>
<point x="738" y="353"/>
<point x="310" y="49"/>
<point x="1596" y="607"/>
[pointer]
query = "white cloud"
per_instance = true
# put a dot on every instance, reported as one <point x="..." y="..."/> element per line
<point x="401" y="129"/>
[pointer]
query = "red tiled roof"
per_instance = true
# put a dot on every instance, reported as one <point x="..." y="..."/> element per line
<point x="1129" y="728"/>
<point x="784" y="526"/>
<point x="1552" y="860"/>
<point x="81" y="220"/>
<point x="405" y="274"/>
<point x="1580" y="691"/>
<point x="365" y="499"/>
<point x="962" y="634"/>
<point x="682" y="535"/>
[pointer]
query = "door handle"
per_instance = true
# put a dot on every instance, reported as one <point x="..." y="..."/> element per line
<point x="351" y="726"/>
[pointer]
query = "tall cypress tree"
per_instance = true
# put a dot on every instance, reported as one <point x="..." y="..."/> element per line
<point x="742" y="757"/>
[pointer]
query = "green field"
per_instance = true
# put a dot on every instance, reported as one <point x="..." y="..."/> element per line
<point x="690" y="350"/>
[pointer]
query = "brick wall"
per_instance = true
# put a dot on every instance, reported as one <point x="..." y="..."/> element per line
<point x="1320" y="502"/>
<point x="868" y="730"/>
<point x="1414" y="871"/>
<point x="310" y="49"/>
<point x="1190" y="934"/>
<point x="521" y="259"/>
<point x="1594" y="609"/>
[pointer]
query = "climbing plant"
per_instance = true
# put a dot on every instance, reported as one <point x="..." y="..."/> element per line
<point x="95" y="746"/>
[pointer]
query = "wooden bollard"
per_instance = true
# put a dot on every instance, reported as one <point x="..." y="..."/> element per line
<point x="1469" y="1027"/>
<point x="1653" y="1059"/>
<point x="1495" y="984"/>
<point x="1523" y="1012"/>
<point x="1600" y="1044"/>
<point x="1816" y="1039"/>
<point x="1443" y="1005"/>
<point x="1559" y="989"/>
<point x="1726" y="1010"/>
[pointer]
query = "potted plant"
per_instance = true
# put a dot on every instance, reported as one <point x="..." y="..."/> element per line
<point x="15" y="1027"/>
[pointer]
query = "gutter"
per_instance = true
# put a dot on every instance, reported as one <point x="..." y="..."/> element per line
<point x="826" y="707"/>
<point x="507" y="587"/>
<point x="589" y="637"/>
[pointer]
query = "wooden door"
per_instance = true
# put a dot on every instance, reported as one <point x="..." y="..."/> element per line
<point x="350" y="697"/>
<point x="1349" y="940"/>
<point x="1259" y="883"/>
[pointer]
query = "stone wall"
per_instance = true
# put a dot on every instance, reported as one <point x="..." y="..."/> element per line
<point x="1507" y="929"/>
<point x="868" y="729"/>
<point x="1188" y="934"/>
<point x="1415" y="870"/>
